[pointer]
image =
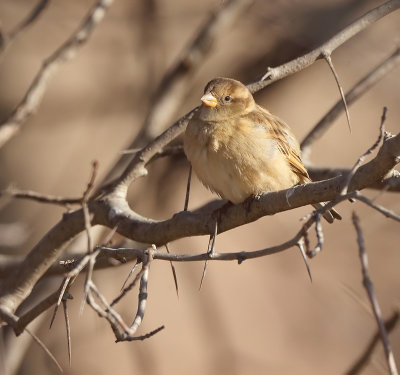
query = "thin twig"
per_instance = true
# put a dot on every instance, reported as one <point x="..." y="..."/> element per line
<point x="173" y="272"/>
<point x="367" y="282"/>
<point x="12" y="321"/>
<point x="142" y="299"/>
<point x="8" y="38"/>
<point x="64" y="286"/>
<point x="365" y="154"/>
<point x="320" y="237"/>
<point x="68" y="331"/>
<point x="131" y="272"/>
<point x="384" y="211"/>
<point x="88" y="225"/>
<point x="141" y="338"/>
<point x="42" y="198"/>
<point x="65" y="52"/>
<point x="185" y="207"/>
<point x="84" y="200"/>
<point x="107" y="312"/>
<point x="45" y="348"/>
<point x="360" y="364"/>
<point x="128" y="288"/>
<point x="360" y="88"/>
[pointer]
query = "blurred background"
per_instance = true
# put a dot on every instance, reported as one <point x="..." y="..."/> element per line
<point x="264" y="316"/>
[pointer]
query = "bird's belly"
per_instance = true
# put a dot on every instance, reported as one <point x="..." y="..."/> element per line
<point x="237" y="176"/>
<point x="220" y="175"/>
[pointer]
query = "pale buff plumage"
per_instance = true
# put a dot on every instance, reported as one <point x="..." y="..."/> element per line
<point x="238" y="149"/>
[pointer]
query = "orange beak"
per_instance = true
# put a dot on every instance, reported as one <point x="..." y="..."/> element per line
<point x="209" y="100"/>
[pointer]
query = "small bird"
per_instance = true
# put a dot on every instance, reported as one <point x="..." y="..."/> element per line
<point x="238" y="149"/>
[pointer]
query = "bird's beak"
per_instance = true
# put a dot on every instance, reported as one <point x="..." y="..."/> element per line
<point x="209" y="100"/>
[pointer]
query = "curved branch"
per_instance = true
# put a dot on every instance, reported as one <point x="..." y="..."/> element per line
<point x="113" y="211"/>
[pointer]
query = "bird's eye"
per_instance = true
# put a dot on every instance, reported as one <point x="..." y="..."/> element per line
<point x="227" y="98"/>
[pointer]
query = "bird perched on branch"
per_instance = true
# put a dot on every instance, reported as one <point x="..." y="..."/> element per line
<point x="238" y="149"/>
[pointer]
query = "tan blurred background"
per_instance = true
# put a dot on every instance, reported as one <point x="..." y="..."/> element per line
<point x="264" y="316"/>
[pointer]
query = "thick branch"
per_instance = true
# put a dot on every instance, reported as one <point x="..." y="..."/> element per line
<point x="391" y="182"/>
<point x="113" y="211"/>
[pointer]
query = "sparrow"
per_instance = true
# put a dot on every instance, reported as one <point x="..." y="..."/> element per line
<point x="239" y="150"/>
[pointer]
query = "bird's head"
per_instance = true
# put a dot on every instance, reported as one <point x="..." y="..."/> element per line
<point x="225" y="98"/>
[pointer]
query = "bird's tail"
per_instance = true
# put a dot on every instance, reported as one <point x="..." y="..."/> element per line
<point x="330" y="215"/>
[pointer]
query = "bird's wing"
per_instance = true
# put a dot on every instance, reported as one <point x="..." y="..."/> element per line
<point x="286" y="142"/>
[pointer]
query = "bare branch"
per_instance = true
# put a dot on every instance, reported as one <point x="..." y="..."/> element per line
<point x="353" y="170"/>
<point x="320" y="236"/>
<point x="360" y="364"/>
<point x="42" y="198"/>
<point x="391" y="182"/>
<point x="68" y="331"/>
<point x="8" y="39"/>
<point x="300" y="63"/>
<point x="360" y="88"/>
<point x="12" y="320"/>
<point x="172" y="88"/>
<point x="367" y="282"/>
<point x="114" y="211"/>
<point x="136" y="167"/>
<point x="137" y="321"/>
<point x="143" y="337"/>
<point x="45" y="349"/>
<point x="66" y="52"/>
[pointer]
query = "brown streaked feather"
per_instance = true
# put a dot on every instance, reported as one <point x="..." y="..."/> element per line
<point x="284" y="138"/>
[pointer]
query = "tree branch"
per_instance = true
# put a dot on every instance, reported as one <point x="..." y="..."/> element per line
<point x="66" y="52"/>
<point x="367" y="282"/>
<point x="173" y="86"/>
<point x="360" y="88"/>
<point x="6" y="39"/>
<point x="300" y="63"/>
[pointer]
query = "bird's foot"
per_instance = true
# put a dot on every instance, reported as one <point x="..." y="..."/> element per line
<point x="248" y="201"/>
